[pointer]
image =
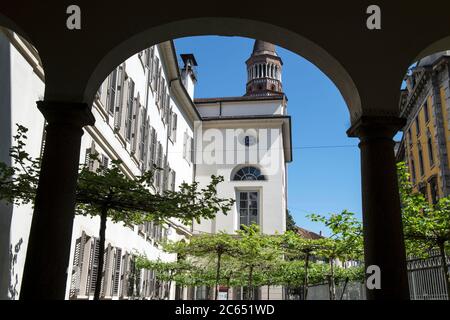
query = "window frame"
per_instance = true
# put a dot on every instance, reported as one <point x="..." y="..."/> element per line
<point x="248" y="207"/>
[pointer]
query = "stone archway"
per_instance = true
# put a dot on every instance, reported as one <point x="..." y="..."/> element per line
<point x="231" y="27"/>
<point x="367" y="67"/>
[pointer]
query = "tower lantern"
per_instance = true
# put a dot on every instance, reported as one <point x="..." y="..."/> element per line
<point x="264" y="71"/>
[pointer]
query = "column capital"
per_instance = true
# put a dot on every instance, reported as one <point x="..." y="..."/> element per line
<point x="376" y="127"/>
<point x="70" y="113"/>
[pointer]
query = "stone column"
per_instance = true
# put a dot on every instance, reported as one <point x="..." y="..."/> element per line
<point x="45" y="272"/>
<point x="383" y="232"/>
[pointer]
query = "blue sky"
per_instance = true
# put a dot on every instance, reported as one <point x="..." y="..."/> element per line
<point x="324" y="176"/>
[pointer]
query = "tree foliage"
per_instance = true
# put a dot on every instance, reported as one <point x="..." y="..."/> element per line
<point x="426" y="226"/>
<point x="109" y="193"/>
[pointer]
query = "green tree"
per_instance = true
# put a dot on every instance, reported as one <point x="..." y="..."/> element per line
<point x="205" y="245"/>
<point x="290" y="222"/>
<point x="344" y="244"/>
<point x="109" y="193"/>
<point x="426" y="226"/>
<point x="256" y="251"/>
<point x="297" y="248"/>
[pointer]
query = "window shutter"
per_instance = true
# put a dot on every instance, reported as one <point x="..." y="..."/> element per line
<point x="174" y="127"/>
<point x="107" y="273"/>
<point x="117" y="263"/>
<point x="172" y="182"/>
<point x="105" y="161"/>
<point x="103" y="94"/>
<point x="129" y="113"/>
<point x="191" y="150"/>
<point x="122" y="120"/>
<point x="185" y="139"/>
<point x="135" y="125"/>
<point x="118" y="104"/>
<point x="165" y="175"/>
<point x="77" y="266"/>
<point x="141" y="130"/>
<point x="111" y="92"/>
<point x="93" y="266"/>
<point x="125" y="275"/>
<point x="149" y="148"/>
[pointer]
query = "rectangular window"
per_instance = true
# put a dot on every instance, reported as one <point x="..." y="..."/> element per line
<point x="434" y="190"/>
<point x="248" y="207"/>
<point x="426" y="111"/>
<point x="409" y="137"/>
<point x="417" y="125"/>
<point x="421" y="165"/>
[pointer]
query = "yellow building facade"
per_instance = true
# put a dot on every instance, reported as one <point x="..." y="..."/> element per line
<point x="426" y="136"/>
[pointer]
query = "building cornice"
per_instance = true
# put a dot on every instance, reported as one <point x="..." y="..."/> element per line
<point x="27" y="51"/>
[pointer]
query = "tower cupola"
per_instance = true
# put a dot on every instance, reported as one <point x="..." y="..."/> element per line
<point x="264" y="71"/>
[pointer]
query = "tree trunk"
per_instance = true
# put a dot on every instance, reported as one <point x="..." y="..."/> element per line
<point x="101" y="253"/>
<point x="268" y="292"/>
<point x="332" y="284"/>
<point x="219" y="256"/>
<point x="445" y="267"/>
<point x="305" y="280"/>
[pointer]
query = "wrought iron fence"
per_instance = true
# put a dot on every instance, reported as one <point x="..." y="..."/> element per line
<point x="426" y="278"/>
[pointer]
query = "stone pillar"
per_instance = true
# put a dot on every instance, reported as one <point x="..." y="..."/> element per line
<point x="45" y="271"/>
<point x="383" y="232"/>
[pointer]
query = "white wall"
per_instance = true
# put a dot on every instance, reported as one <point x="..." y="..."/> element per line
<point x="20" y="88"/>
<point x="271" y="191"/>
<point x="241" y="108"/>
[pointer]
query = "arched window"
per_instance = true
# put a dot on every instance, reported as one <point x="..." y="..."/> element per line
<point x="248" y="173"/>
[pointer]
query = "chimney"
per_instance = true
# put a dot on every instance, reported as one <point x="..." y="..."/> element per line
<point x="189" y="73"/>
<point x="320" y="233"/>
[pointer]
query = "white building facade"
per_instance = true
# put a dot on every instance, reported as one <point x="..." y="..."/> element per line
<point x="145" y="115"/>
<point x="247" y="140"/>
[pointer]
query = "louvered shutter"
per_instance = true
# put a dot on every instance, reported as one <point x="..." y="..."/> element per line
<point x="106" y="272"/>
<point x="172" y="182"/>
<point x="93" y="266"/>
<point x="103" y="94"/>
<point x="135" y="126"/>
<point x="145" y="145"/>
<point x="119" y="97"/>
<point x="129" y="112"/>
<point x="77" y="266"/>
<point x="173" y="133"/>
<point x="111" y="92"/>
<point x="165" y="179"/>
<point x="92" y="163"/>
<point x="117" y="265"/>
<point x="185" y="146"/>
<point x="191" y="150"/>
<point x="105" y="161"/>
<point x="124" y="275"/>
<point x="122" y="120"/>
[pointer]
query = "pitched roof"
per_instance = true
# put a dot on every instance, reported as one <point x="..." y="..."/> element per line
<point x="308" y="234"/>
